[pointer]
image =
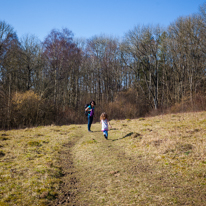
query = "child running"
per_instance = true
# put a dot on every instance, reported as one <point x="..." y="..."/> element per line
<point x="105" y="122"/>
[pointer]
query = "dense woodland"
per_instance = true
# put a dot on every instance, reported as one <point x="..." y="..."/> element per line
<point x="150" y="70"/>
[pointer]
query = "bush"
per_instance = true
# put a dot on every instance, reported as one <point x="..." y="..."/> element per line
<point x="127" y="105"/>
<point x="25" y="108"/>
<point x="28" y="109"/>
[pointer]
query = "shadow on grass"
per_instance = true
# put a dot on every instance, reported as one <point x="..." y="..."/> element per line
<point x="127" y="135"/>
<point x="93" y="131"/>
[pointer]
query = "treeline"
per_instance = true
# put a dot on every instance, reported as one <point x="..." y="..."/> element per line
<point x="150" y="69"/>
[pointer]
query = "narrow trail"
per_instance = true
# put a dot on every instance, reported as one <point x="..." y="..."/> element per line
<point x="109" y="172"/>
<point x="104" y="172"/>
<point x="68" y="187"/>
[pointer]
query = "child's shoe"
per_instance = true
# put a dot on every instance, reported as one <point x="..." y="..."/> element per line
<point x="105" y="136"/>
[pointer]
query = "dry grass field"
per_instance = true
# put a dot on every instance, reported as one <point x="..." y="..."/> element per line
<point x="147" y="161"/>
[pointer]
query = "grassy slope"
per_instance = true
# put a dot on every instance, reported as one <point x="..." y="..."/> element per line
<point x="152" y="161"/>
<point x="30" y="170"/>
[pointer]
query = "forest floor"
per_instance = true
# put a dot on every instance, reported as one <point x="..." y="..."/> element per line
<point x="147" y="161"/>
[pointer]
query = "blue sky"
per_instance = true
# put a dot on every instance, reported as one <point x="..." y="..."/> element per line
<point x="87" y="18"/>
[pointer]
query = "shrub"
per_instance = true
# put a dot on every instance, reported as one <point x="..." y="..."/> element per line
<point x="28" y="109"/>
<point x="25" y="108"/>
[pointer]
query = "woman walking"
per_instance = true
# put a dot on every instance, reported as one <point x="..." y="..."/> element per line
<point x="90" y="110"/>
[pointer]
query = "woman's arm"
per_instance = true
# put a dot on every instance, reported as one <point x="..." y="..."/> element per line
<point x="88" y="109"/>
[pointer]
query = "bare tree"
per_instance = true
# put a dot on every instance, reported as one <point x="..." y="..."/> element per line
<point x="62" y="66"/>
<point x="9" y="46"/>
<point x="141" y="49"/>
<point x="30" y="60"/>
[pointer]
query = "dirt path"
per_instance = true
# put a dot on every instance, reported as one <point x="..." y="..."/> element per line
<point x="107" y="174"/>
<point x="100" y="172"/>
<point x="69" y="184"/>
<point x="118" y="171"/>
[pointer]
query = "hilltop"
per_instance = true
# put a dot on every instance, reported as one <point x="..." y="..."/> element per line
<point x="147" y="161"/>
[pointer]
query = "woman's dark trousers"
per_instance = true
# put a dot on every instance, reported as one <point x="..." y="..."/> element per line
<point x="90" y="120"/>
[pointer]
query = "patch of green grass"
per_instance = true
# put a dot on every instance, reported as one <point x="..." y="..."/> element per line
<point x="93" y="141"/>
<point x="202" y="122"/>
<point x="188" y="152"/>
<point x="147" y="124"/>
<point x="34" y="143"/>
<point x="3" y="204"/>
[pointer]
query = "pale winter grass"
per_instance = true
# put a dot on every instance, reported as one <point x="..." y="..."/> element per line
<point x="153" y="161"/>
<point x="30" y="173"/>
<point x="148" y="161"/>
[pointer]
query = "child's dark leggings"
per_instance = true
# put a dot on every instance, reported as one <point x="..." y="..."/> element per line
<point x="90" y="120"/>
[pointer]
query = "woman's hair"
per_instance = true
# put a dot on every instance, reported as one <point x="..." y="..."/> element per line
<point x="92" y="101"/>
<point x="103" y="116"/>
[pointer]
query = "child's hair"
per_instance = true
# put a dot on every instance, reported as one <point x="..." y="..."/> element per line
<point x="103" y="116"/>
